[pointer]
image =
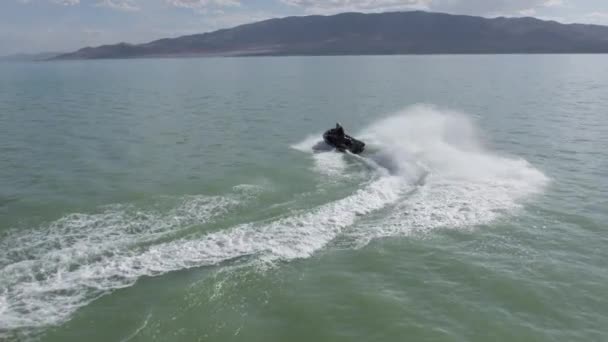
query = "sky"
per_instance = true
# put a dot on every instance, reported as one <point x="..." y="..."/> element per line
<point x="30" y="26"/>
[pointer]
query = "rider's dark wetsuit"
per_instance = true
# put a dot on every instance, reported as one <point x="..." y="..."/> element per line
<point x="339" y="131"/>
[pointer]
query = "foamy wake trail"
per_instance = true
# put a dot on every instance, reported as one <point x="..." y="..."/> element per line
<point x="49" y="272"/>
<point x="429" y="171"/>
<point x="455" y="181"/>
<point x="296" y="236"/>
<point x="45" y="288"/>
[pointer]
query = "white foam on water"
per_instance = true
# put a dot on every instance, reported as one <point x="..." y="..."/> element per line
<point x="429" y="171"/>
<point x="48" y="272"/>
<point x="308" y="144"/>
<point x="459" y="182"/>
<point x="49" y="289"/>
<point x="84" y="235"/>
<point x="325" y="160"/>
<point x="295" y="236"/>
<point x="3" y="302"/>
<point x="330" y="164"/>
<point x="252" y="190"/>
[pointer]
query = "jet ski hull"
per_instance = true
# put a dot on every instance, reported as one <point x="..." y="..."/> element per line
<point x="345" y="143"/>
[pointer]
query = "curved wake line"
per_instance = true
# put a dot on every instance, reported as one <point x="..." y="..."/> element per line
<point x="47" y="289"/>
<point x="138" y="330"/>
<point x="49" y="272"/>
<point x="458" y="183"/>
<point x="428" y="171"/>
<point x="297" y="236"/>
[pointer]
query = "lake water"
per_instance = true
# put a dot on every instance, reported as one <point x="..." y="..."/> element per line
<point x="181" y="200"/>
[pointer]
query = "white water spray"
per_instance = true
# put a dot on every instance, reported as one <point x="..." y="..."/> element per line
<point x="428" y="170"/>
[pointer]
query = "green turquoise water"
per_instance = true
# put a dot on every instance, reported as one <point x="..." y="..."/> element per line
<point x="192" y="200"/>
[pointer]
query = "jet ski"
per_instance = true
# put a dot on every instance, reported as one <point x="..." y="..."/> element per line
<point x="342" y="142"/>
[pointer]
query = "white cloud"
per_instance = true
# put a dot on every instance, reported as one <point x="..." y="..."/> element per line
<point x="58" y="2"/>
<point x="553" y="3"/>
<point x="474" y="7"/>
<point x="602" y="15"/>
<point x="234" y="19"/>
<point x="93" y="32"/>
<point x="197" y="4"/>
<point x="336" y="6"/>
<point x="121" y="5"/>
<point x="598" y="17"/>
<point x="495" y="7"/>
<point x="67" y="2"/>
<point x="528" y="12"/>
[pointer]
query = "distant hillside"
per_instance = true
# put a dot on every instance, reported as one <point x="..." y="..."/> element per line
<point x="362" y="34"/>
<point x="29" y="57"/>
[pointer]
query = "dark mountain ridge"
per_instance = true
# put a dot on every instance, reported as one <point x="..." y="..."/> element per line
<point x="363" y="34"/>
<point x="29" y="57"/>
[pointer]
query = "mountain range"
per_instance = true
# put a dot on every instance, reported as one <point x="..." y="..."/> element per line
<point x="415" y="32"/>
<point x="29" y="57"/>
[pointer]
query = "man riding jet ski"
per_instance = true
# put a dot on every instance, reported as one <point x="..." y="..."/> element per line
<point x="336" y="138"/>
